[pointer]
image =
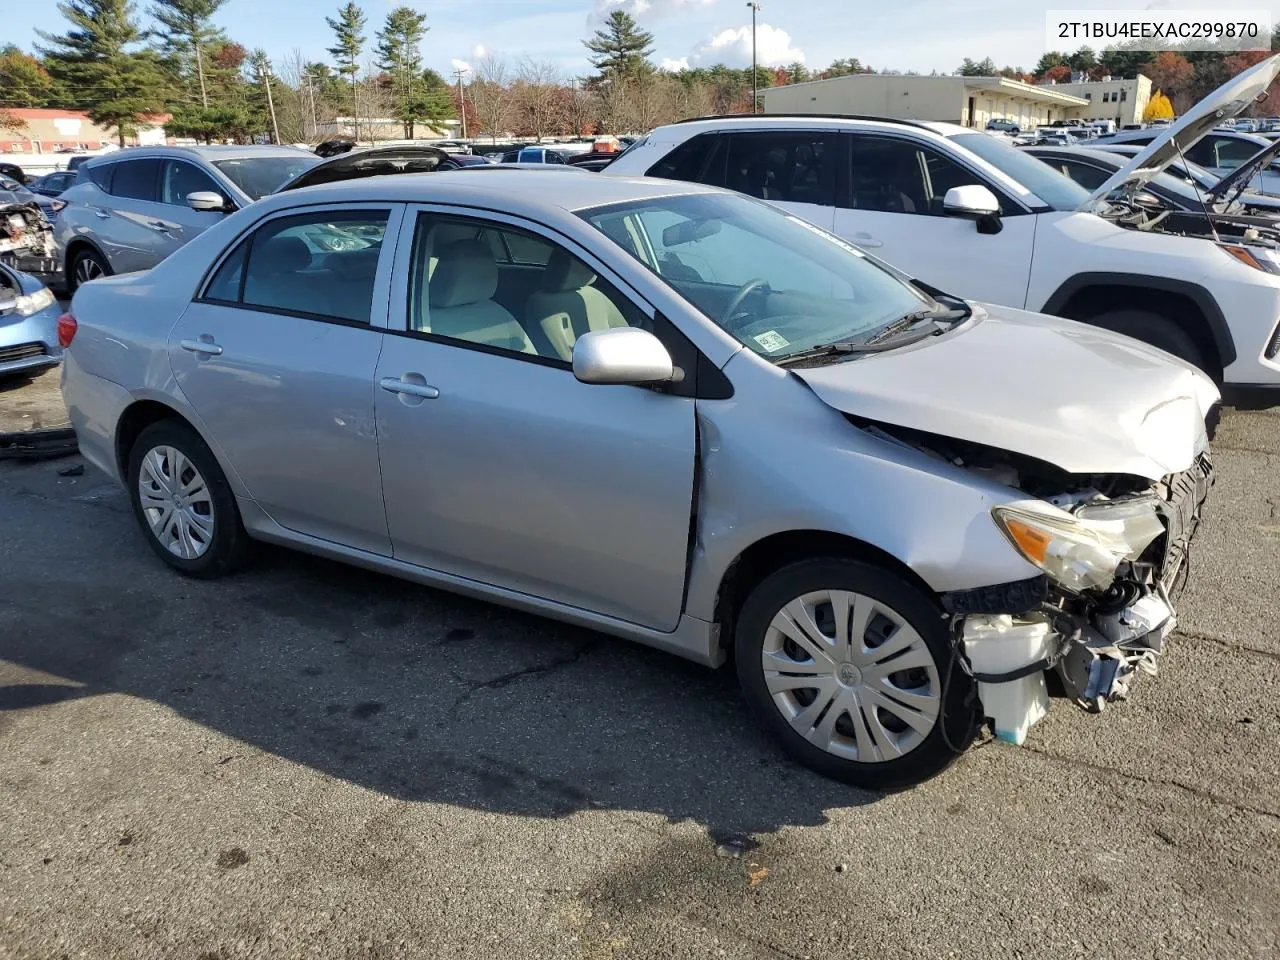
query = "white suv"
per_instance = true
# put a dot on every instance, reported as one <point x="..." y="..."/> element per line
<point x="967" y="213"/>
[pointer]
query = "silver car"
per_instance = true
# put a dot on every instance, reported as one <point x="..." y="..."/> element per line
<point x="669" y="413"/>
<point x="129" y="210"/>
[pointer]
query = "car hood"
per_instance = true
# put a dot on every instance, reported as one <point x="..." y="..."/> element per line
<point x="1227" y="101"/>
<point x="1238" y="179"/>
<point x="1078" y="397"/>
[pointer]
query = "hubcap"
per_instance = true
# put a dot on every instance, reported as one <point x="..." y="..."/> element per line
<point x="87" y="269"/>
<point x="176" y="502"/>
<point x="851" y="676"/>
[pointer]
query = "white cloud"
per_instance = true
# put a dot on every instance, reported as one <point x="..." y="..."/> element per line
<point x="478" y="52"/>
<point x="647" y="9"/>
<point x="460" y="65"/>
<point x="674" y="65"/>
<point x="732" y="47"/>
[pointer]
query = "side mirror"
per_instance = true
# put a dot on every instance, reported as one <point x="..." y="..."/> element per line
<point x="206" y="200"/>
<point x="973" y="202"/>
<point x="622" y="355"/>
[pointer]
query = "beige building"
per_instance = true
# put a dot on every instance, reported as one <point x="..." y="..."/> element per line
<point x="1123" y="101"/>
<point x="969" y="101"/>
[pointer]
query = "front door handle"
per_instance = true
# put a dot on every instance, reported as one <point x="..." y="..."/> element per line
<point x="409" y="388"/>
<point x="867" y="240"/>
<point x="101" y="214"/>
<point x="203" y="345"/>
<point x="158" y="225"/>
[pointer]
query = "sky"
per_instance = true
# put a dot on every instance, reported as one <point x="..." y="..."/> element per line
<point x="920" y="35"/>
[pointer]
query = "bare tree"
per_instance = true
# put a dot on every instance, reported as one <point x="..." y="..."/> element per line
<point x="580" y="108"/>
<point x="293" y="100"/>
<point x="651" y="102"/>
<point x="490" y="96"/>
<point x="614" y="99"/>
<point x="537" y="103"/>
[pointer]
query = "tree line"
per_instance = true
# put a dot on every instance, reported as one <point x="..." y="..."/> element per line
<point x="122" y="65"/>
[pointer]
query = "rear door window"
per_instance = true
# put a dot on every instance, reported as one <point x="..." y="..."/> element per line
<point x="788" y="166"/>
<point x="136" y="179"/>
<point x="688" y="162"/>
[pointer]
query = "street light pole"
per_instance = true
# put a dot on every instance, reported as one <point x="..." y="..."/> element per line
<point x="755" y="77"/>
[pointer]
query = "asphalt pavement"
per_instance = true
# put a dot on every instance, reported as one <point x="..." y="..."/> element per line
<point x="308" y="760"/>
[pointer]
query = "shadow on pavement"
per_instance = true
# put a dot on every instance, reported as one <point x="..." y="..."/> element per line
<point x="408" y="691"/>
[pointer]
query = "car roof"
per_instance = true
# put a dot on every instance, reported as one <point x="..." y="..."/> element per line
<point x="1107" y="157"/>
<point x="228" y="152"/>
<point x="501" y="187"/>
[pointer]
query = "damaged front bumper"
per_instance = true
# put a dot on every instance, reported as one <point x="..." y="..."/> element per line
<point x="1008" y="637"/>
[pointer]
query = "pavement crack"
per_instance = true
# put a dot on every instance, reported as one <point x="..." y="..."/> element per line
<point x="1229" y="644"/>
<point x="1155" y="782"/>
<point x="515" y="676"/>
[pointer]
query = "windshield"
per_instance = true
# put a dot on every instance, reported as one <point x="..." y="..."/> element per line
<point x="258" y="176"/>
<point x="1055" y="189"/>
<point x="777" y="283"/>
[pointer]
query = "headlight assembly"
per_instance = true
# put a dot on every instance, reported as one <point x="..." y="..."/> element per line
<point x="33" y="303"/>
<point x="1083" y="551"/>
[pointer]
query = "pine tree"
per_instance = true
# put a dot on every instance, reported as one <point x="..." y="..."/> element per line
<point x="621" y="49"/>
<point x="185" y="28"/>
<point x="399" y="54"/>
<point x="117" y="85"/>
<point x="349" y="40"/>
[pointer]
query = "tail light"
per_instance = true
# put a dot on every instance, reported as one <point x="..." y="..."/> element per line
<point x="67" y="328"/>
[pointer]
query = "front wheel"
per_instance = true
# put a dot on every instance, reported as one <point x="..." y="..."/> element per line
<point x="87" y="265"/>
<point x="849" y="667"/>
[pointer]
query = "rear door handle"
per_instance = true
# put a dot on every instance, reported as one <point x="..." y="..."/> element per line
<point x="158" y="225"/>
<point x="867" y="240"/>
<point x="408" y="388"/>
<point x="203" y="345"/>
<point x="101" y="214"/>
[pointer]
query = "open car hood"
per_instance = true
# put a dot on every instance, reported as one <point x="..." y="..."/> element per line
<point x="1238" y="179"/>
<point x="1227" y="101"/>
<point x="375" y="162"/>
<point x="1083" y="399"/>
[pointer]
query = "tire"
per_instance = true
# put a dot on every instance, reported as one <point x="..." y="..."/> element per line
<point x="88" y="264"/>
<point x="897" y="753"/>
<point x="1154" y="329"/>
<point x="202" y="535"/>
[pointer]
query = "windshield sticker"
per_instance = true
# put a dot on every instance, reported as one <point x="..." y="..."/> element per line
<point x="772" y="341"/>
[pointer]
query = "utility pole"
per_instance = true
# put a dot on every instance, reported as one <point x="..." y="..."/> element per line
<point x="204" y="97"/>
<point x="309" y="81"/>
<point x="462" y="100"/>
<point x="264" y="71"/>
<point x="755" y="77"/>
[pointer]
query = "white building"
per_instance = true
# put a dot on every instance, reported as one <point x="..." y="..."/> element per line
<point x="970" y="101"/>
<point x="1123" y="101"/>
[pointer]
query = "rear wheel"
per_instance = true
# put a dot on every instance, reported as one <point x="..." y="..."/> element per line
<point x="849" y="667"/>
<point x="87" y="265"/>
<point x="1154" y="329"/>
<point x="183" y="502"/>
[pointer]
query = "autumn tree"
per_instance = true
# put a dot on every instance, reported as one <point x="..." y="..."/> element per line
<point x="186" y="30"/>
<point x="99" y="59"/>
<point x="537" y="106"/>
<point x="1158" y="108"/>
<point x="489" y="94"/>
<point x="1059" y="74"/>
<point x="1172" y="73"/>
<point x="24" y="82"/>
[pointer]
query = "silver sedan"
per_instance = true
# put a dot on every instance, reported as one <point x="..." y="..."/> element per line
<point x="669" y="413"/>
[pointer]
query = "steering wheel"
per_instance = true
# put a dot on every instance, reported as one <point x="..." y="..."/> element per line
<point x="744" y="291"/>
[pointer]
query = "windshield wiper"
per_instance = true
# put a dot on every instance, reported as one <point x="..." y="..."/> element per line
<point x="903" y="331"/>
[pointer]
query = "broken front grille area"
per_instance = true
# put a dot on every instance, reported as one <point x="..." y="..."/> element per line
<point x="1183" y="499"/>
